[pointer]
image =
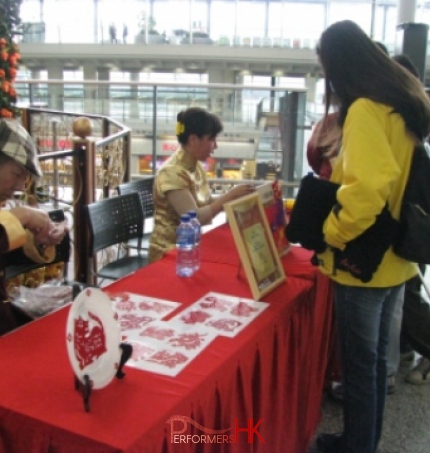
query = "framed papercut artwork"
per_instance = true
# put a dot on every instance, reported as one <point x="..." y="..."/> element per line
<point x="273" y="204"/>
<point x="254" y="241"/>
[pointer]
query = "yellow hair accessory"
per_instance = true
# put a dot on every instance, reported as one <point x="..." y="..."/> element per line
<point x="180" y="128"/>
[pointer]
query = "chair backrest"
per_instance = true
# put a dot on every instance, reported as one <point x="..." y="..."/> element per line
<point x="115" y="220"/>
<point x="143" y="187"/>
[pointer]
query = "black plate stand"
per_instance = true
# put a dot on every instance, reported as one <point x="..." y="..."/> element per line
<point x="85" y="387"/>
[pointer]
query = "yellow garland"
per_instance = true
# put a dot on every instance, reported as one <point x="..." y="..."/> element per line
<point x="180" y="128"/>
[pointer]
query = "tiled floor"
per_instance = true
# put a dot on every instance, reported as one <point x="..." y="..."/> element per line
<point x="407" y="419"/>
<point x="407" y="415"/>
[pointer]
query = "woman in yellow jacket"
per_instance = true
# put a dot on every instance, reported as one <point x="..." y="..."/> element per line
<point x="383" y="112"/>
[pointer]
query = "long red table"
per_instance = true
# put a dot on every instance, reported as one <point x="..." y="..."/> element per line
<point x="271" y="373"/>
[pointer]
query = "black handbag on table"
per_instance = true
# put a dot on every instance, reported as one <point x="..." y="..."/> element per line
<point x="361" y="256"/>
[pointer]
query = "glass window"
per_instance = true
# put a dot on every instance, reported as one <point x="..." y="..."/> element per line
<point x="385" y="25"/>
<point x="276" y="20"/>
<point x="423" y="15"/>
<point x="62" y="17"/>
<point x="30" y="11"/>
<point x="291" y="82"/>
<point x="129" y="13"/>
<point x="222" y="19"/>
<point x="176" y="15"/>
<point x="303" y="23"/>
<point x="172" y="15"/>
<point x="257" y="11"/>
<point x="360" y="11"/>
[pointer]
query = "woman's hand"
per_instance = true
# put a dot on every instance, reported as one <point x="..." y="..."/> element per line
<point x="236" y="192"/>
<point x="37" y="221"/>
<point x="239" y="191"/>
<point x="57" y="232"/>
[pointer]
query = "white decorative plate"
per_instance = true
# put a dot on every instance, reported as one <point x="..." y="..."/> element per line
<point x="93" y="338"/>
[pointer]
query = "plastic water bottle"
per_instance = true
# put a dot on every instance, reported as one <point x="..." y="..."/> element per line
<point x="198" y="234"/>
<point x="185" y="247"/>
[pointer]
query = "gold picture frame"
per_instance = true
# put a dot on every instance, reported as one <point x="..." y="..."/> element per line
<point x="254" y="241"/>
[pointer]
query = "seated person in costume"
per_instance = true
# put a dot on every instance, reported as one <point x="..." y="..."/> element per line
<point x="22" y="228"/>
<point x="181" y="184"/>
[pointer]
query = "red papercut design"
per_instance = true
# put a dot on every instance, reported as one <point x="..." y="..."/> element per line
<point x="154" y="306"/>
<point x="141" y="352"/>
<point x="188" y="340"/>
<point x="277" y="218"/>
<point x="227" y="325"/>
<point x="131" y="321"/>
<point x="157" y="333"/>
<point x="242" y="309"/>
<point x="215" y="303"/>
<point x="122" y="301"/>
<point x="168" y="359"/>
<point x="118" y="297"/>
<point x="126" y="305"/>
<point x="89" y="344"/>
<point x="193" y="317"/>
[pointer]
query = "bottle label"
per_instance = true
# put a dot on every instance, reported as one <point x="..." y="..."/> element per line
<point x="185" y="237"/>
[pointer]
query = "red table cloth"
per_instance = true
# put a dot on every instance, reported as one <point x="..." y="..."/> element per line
<point x="271" y="374"/>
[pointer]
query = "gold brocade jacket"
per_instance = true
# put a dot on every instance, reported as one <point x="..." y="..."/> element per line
<point x="180" y="171"/>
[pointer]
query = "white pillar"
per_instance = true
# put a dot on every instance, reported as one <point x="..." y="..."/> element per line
<point x="34" y="88"/>
<point x="90" y="91"/>
<point x="311" y="85"/>
<point x="220" y="99"/>
<point x="55" y="92"/>
<point x="103" y="91"/>
<point x="406" y="11"/>
<point x="134" y="91"/>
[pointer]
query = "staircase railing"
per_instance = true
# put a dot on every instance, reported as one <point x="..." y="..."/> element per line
<point x="90" y="168"/>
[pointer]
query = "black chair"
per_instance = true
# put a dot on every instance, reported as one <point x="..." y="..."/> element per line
<point x="144" y="188"/>
<point x="20" y="264"/>
<point x="113" y="222"/>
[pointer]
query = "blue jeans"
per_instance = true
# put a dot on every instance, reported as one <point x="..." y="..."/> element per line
<point x="393" y="347"/>
<point x="363" y="320"/>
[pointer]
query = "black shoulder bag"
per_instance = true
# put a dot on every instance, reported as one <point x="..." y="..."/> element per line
<point x="413" y="240"/>
<point x="361" y="257"/>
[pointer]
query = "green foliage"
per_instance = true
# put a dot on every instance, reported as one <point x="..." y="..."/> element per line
<point x="9" y="16"/>
<point x="9" y="56"/>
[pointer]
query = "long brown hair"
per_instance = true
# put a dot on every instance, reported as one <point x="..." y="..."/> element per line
<point x="355" y="67"/>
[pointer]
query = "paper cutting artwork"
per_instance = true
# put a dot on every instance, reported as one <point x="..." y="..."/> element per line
<point x="273" y="203"/>
<point x="89" y="342"/>
<point x="222" y="314"/>
<point x="124" y="302"/>
<point x="166" y="347"/>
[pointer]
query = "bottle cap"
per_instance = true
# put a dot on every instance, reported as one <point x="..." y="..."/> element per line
<point x="192" y="214"/>
<point x="185" y="218"/>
